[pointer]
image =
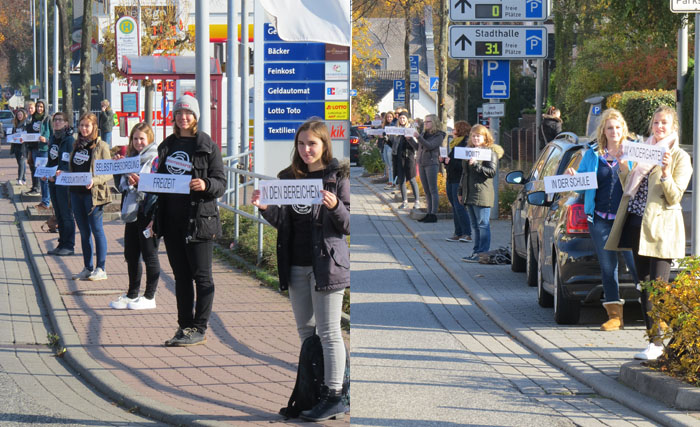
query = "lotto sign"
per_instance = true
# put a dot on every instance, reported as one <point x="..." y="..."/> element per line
<point x="291" y="192"/>
<point x="561" y="183"/>
<point x="126" y="38"/>
<point x="337" y="111"/>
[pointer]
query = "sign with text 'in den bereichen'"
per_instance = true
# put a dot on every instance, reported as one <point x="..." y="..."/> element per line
<point x="497" y="42"/>
<point x="501" y="10"/>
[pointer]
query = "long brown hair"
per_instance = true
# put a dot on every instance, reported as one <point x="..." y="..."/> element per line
<point x="139" y="127"/>
<point x="177" y="130"/>
<point x="482" y="130"/>
<point x="15" y="121"/>
<point x="462" y="128"/>
<point x="318" y="129"/>
<point x="95" y="128"/>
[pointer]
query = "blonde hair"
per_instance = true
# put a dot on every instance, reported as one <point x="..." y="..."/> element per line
<point x="437" y="124"/>
<point x="140" y="127"/>
<point x="609" y="114"/>
<point x="482" y="130"/>
<point x="664" y="109"/>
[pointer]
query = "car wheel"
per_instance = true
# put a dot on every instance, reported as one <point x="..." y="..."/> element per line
<point x="544" y="298"/>
<point x="566" y="311"/>
<point x="517" y="263"/>
<point x="530" y="262"/>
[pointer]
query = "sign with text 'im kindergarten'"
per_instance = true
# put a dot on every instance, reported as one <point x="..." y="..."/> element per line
<point x="561" y="183"/>
<point x="291" y="192"/>
<point x="643" y="153"/>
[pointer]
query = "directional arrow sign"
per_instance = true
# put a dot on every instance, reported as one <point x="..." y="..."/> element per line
<point x="497" y="42"/>
<point x="499" y="10"/>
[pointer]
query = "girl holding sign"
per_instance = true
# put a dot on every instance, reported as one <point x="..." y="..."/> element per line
<point x="428" y="145"/>
<point x="650" y="218"/>
<point x="88" y="201"/>
<point x="476" y="190"/>
<point x="137" y="213"/>
<point x="313" y="256"/>
<point x="463" y="230"/>
<point x="60" y="146"/>
<point x="384" y="145"/>
<point x="20" y="149"/>
<point x="405" y="164"/>
<point x="601" y="204"/>
<point x="190" y="222"/>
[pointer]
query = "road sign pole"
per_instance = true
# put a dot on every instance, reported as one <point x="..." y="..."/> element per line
<point x="538" y="105"/>
<point x="495" y="124"/>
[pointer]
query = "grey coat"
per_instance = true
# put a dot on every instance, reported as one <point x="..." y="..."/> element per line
<point x="428" y="147"/>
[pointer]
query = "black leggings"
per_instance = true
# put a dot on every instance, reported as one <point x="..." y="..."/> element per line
<point x="137" y="247"/>
<point x="648" y="268"/>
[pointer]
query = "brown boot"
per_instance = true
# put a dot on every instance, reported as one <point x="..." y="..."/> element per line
<point x="615" y="322"/>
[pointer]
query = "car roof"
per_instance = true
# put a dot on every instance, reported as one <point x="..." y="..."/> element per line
<point x="568" y="140"/>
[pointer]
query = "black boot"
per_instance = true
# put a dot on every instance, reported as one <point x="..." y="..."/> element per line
<point x="330" y="406"/>
<point x="430" y="218"/>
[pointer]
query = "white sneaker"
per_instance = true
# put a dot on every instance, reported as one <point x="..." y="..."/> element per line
<point x="652" y="352"/>
<point x="83" y="275"/>
<point x="121" y="303"/>
<point x="98" y="274"/>
<point x="416" y="206"/>
<point x="403" y="205"/>
<point x="142" y="303"/>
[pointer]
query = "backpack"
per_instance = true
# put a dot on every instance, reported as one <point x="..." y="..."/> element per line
<point x="310" y="377"/>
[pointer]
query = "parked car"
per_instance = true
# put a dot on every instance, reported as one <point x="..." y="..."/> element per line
<point x="568" y="272"/>
<point x="6" y="118"/>
<point x="357" y="136"/>
<point x="526" y="217"/>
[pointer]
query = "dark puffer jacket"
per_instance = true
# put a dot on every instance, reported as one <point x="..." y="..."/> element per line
<point x="204" y="223"/>
<point x="331" y="254"/>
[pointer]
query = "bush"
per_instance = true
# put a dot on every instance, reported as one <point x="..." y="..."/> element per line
<point x="247" y="246"/>
<point x="678" y="304"/>
<point x="371" y="158"/>
<point x="444" y="205"/>
<point x="638" y="106"/>
<point x="506" y="196"/>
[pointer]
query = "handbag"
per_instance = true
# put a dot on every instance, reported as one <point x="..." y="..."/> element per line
<point x="51" y="225"/>
<point x="130" y="205"/>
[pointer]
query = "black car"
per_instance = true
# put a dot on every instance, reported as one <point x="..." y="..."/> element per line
<point x="357" y="136"/>
<point x="526" y="217"/>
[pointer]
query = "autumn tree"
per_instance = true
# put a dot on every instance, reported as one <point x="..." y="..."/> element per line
<point x="364" y="60"/>
<point x="16" y="40"/>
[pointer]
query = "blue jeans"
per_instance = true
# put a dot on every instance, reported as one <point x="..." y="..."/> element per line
<point x="481" y="229"/>
<point x="388" y="166"/>
<point x="89" y="220"/>
<point x="459" y="212"/>
<point x="44" y="185"/>
<point x="599" y="231"/>
<point x="21" y="157"/>
<point x="428" y="177"/>
<point x="107" y="137"/>
<point x="60" y="197"/>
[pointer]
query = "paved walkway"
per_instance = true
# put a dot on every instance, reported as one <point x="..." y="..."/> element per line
<point x="243" y="375"/>
<point x="582" y="351"/>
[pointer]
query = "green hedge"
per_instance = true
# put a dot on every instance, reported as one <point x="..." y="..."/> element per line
<point x="638" y="106"/>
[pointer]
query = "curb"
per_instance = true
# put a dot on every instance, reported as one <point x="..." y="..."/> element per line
<point x="76" y="356"/>
<point x="601" y="383"/>
<point x="662" y="387"/>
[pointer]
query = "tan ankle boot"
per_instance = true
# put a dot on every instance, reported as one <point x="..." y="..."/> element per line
<point x="614" y="310"/>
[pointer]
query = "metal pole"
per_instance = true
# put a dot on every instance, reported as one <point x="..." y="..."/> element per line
<point x="245" y="71"/>
<point x="54" y="97"/>
<point x="203" y="66"/>
<point x="538" y="105"/>
<point x="682" y="71"/>
<point x="231" y="77"/>
<point x="45" y="42"/>
<point x="138" y="82"/>
<point x="33" y="38"/>
<point x="495" y="131"/>
<point x="695" y="233"/>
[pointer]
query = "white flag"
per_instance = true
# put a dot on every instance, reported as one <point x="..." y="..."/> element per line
<point x="326" y="22"/>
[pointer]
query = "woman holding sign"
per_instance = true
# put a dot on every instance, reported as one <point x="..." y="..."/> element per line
<point x="313" y="256"/>
<point x="649" y="220"/>
<point x="405" y="164"/>
<point x="60" y="146"/>
<point x="428" y="145"/>
<point x="19" y="149"/>
<point x="88" y="201"/>
<point x="384" y="145"/>
<point x="476" y="190"/>
<point x="189" y="223"/>
<point x="463" y="229"/>
<point x="601" y="204"/>
<point x="137" y="213"/>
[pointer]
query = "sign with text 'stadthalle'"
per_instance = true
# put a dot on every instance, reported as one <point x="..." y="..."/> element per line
<point x="497" y="42"/>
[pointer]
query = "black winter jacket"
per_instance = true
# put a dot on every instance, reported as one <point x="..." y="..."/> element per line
<point x="204" y="223"/>
<point x="331" y="255"/>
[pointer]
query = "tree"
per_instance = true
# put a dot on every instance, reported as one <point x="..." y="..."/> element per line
<point x="442" y="50"/>
<point x="64" y="55"/>
<point x="16" y="40"/>
<point x="364" y="61"/>
<point x="85" y="57"/>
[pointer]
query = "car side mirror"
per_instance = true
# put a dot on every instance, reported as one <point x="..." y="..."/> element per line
<point x="538" y="198"/>
<point x="515" y="177"/>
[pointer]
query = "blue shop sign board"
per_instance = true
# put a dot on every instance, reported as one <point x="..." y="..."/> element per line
<point x="295" y="91"/>
<point x="281" y="131"/>
<point x="289" y="51"/>
<point x="293" y="111"/>
<point x="291" y="71"/>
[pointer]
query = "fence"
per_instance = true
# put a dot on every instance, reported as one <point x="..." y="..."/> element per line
<point x="520" y="148"/>
<point x="241" y="182"/>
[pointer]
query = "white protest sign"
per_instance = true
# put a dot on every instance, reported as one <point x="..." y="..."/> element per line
<point x="30" y="137"/>
<point x="164" y="183"/>
<point x="408" y="131"/>
<point x="394" y="130"/>
<point x="74" y="178"/>
<point x="14" y="138"/>
<point x="561" y="183"/>
<point x="44" y="172"/>
<point x="374" y="132"/>
<point x="291" y="192"/>
<point x="643" y="153"/>
<point x="376" y="122"/>
<point x="443" y="151"/>
<point x="9" y="131"/>
<point x="467" y="153"/>
<point x="40" y="162"/>
<point x="125" y="165"/>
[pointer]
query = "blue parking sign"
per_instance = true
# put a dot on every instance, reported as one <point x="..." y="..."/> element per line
<point x="399" y="91"/>
<point x="495" y="82"/>
<point x="533" y="9"/>
<point x="533" y="42"/>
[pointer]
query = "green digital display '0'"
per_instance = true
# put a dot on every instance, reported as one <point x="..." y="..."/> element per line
<point x="486" y="11"/>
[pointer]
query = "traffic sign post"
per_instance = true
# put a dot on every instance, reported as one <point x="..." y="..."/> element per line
<point x="414" y="61"/>
<point x="503" y="10"/>
<point x="399" y="91"/>
<point x="415" y="90"/>
<point x="495" y="80"/>
<point x="493" y="110"/>
<point x="497" y="42"/>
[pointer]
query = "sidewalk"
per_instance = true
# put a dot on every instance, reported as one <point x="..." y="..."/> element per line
<point x="582" y="351"/>
<point x="243" y="375"/>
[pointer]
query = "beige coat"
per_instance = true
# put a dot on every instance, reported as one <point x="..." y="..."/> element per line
<point x="663" y="233"/>
<point x="100" y="187"/>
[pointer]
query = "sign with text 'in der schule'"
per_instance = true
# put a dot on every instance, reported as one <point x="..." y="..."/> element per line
<point x="291" y="192"/>
<point x="561" y="183"/>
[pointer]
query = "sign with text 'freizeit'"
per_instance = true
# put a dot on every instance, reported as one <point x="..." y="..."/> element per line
<point x="74" y="178"/>
<point x="164" y="183"/>
<point x="291" y="192"/>
<point x="561" y="183"/>
<point x="125" y="165"/>
<point x="643" y="153"/>
<point x="468" y="153"/>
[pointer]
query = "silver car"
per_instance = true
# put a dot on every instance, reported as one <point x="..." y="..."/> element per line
<point x="6" y="118"/>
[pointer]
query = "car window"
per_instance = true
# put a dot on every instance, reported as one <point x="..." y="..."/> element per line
<point x="537" y="171"/>
<point x="550" y="166"/>
<point x="575" y="160"/>
<point x="6" y="115"/>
